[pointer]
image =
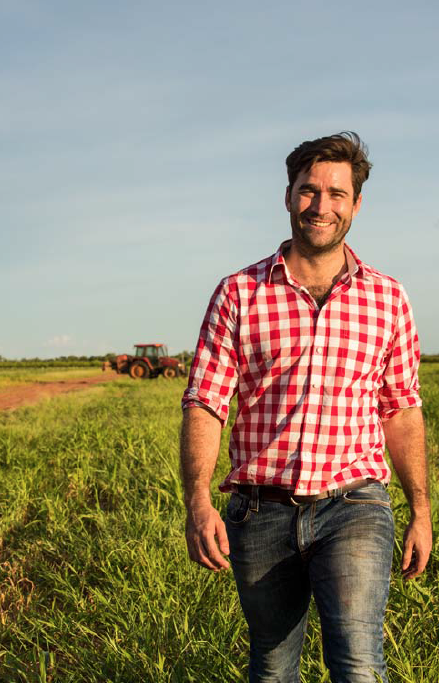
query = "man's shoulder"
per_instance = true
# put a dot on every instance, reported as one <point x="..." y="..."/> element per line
<point x="381" y="280"/>
<point x="251" y="275"/>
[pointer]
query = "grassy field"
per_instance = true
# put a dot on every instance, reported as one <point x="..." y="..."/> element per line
<point x="95" y="583"/>
<point x="11" y="377"/>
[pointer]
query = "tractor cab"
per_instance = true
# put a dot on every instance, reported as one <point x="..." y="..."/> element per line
<point x="153" y="352"/>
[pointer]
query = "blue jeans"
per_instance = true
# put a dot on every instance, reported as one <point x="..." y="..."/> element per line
<point x="338" y="549"/>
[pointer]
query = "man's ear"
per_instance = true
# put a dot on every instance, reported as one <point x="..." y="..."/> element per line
<point x="288" y="198"/>
<point x="357" y="205"/>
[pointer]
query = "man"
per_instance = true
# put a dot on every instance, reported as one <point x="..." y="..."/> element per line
<point x="323" y="354"/>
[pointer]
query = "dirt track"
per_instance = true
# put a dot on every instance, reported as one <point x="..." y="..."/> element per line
<point x="20" y="395"/>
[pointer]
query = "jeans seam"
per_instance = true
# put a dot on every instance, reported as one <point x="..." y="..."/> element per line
<point x="383" y="503"/>
<point x="300" y="539"/>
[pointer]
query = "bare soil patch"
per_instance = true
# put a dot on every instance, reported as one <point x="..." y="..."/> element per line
<point x="16" y="396"/>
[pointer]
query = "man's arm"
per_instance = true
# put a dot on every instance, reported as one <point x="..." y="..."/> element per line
<point x="200" y="442"/>
<point x="405" y="439"/>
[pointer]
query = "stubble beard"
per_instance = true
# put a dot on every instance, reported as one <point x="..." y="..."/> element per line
<point x="304" y="243"/>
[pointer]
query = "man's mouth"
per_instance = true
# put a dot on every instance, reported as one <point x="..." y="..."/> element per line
<point x="318" y="224"/>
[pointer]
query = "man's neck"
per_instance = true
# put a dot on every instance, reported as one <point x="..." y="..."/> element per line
<point x="316" y="269"/>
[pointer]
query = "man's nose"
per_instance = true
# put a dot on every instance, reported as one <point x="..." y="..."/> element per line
<point x="321" y="203"/>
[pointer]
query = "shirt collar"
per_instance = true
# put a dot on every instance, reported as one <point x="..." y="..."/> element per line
<point x="355" y="265"/>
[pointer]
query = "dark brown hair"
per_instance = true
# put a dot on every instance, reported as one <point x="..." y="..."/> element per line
<point x="345" y="146"/>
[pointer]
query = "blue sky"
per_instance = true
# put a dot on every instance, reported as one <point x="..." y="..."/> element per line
<point x="143" y="148"/>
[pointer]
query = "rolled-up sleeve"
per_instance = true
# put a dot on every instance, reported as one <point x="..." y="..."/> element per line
<point x="214" y="372"/>
<point x="400" y="387"/>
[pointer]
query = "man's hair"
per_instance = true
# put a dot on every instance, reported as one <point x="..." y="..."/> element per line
<point x="346" y="146"/>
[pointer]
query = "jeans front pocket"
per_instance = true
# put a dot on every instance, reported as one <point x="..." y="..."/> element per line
<point x="238" y="509"/>
<point x="374" y="494"/>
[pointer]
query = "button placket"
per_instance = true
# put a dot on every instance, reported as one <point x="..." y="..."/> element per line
<point x="316" y="377"/>
<point x="315" y="395"/>
<point x="316" y="381"/>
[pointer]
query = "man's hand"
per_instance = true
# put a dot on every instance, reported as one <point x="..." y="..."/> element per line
<point x="417" y="546"/>
<point x="205" y="531"/>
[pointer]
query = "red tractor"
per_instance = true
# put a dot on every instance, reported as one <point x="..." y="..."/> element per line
<point x="150" y="360"/>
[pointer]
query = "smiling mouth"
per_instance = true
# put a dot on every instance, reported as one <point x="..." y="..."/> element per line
<point x="318" y="224"/>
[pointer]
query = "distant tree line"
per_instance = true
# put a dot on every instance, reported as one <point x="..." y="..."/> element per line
<point x="60" y="362"/>
<point x="73" y="361"/>
<point x="96" y="361"/>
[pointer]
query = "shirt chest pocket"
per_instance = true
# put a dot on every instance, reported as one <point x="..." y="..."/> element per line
<point x="363" y="348"/>
<point x="267" y="350"/>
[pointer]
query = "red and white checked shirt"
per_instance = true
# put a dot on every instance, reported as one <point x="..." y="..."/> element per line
<point x="313" y="385"/>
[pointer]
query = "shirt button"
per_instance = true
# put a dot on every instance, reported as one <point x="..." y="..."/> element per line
<point x="319" y="349"/>
<point x="315" y="385"/>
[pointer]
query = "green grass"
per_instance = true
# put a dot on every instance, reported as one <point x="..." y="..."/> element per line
<point x="10" y="377"/>
<point x="95" y="582"/>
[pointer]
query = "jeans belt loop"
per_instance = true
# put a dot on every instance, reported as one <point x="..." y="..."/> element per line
<point x="254" y="499"/>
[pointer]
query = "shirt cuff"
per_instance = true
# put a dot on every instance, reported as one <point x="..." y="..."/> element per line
<point x="389" y="408"/>
<point x="193" y="400"/>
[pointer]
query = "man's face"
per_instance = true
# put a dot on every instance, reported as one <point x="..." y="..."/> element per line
<point x="321" y="206"/>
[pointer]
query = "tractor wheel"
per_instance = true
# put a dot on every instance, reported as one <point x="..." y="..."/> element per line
<point x="170" y="372"/>
<point x="139" y="370"/>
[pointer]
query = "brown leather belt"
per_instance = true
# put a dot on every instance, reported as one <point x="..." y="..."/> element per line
<point x="275" y="494"/>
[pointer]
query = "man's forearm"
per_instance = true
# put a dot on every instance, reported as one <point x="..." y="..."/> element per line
<point x="200" y="442"/>
<point x="405" y="439"/>
<point x="205" y="530"/>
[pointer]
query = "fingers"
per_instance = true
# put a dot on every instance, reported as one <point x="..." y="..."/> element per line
<point x="407" y="557"/>
<point x="202" y="535"/>
<point x="213" y="552"/>
<point x="415" y="565"/>
<point x="205" y="552"/>
<point x="417" y="547"/>
<point x="202" y="556"/>
<point x="223" y="540"/>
